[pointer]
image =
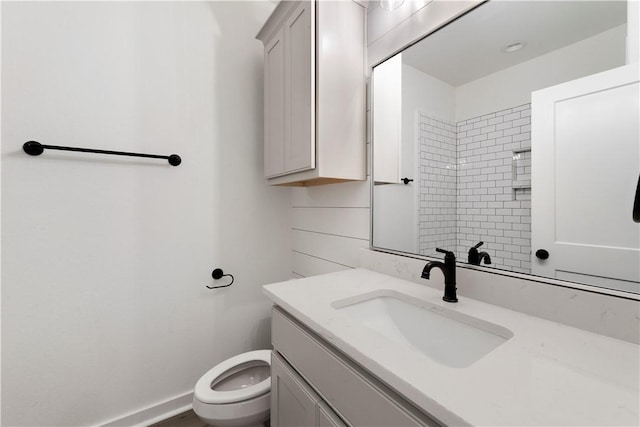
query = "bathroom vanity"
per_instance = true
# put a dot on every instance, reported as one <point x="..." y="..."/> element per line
<point x="363" y="348"/>
<point x="356" y="395"/>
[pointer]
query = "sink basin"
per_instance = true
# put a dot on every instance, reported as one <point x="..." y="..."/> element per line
<point x="445" y="336"/>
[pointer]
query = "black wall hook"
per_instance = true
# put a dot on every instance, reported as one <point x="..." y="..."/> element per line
<point x="219" y="274"/>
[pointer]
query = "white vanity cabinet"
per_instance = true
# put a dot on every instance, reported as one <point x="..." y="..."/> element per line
<point x="294" y="403"/>
<point x="314" y="88"/>
<point x="313" y="384"/>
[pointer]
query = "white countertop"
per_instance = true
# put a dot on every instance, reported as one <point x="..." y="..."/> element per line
<point x="547" y="374"/>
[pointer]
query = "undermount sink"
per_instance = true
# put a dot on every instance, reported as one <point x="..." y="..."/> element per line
<point x="445" y="336"/>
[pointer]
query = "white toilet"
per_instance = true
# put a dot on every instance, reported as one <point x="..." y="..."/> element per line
<point x="236" y="392"/>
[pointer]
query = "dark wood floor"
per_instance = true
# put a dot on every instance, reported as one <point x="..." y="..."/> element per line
<point x="186" y="419"/>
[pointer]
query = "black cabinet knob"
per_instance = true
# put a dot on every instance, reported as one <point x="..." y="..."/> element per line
<point x="406" y="180"/>
<point x="542" y="253"/>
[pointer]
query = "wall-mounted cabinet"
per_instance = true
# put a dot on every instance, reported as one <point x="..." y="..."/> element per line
<point x="314" y="86"/>
<point x="387" y="120"/>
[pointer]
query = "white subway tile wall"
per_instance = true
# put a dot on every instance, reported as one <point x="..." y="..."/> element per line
<point x="437" y="192"/>
<point x="490" y="173"/>
<point x="494" y="187"/>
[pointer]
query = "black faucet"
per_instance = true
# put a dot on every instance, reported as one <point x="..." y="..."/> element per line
<point x="449" y="270"/>
<point x="476" y="257"/>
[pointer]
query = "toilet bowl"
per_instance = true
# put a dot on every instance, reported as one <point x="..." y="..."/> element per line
<point x="236" y="392"/>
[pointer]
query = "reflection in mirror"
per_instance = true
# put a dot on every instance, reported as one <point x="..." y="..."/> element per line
<point x="518" y="124"/>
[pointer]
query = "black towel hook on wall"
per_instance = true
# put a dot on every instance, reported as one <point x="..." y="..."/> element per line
<point x="219" y="274"/>
<point x="34" y="148"/>
<point x="636" y="203"/>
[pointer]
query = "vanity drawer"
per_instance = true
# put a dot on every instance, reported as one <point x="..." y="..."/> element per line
<point x="361" y="399"/>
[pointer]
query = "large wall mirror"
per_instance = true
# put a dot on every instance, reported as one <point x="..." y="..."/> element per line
<point x="516" y="125"/>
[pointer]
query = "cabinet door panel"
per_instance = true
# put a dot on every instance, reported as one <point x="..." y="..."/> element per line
<point x="328" y="418"/>
<point x="293" y="403"/>
<point x="387" y="120"/>
<point x="274" y="111"/>
<point x="340" y="88"/>
<point x="300" y="90"/>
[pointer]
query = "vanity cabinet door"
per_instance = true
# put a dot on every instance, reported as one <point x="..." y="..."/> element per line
<point x="293" y="403"/>
<point x="289" y="94"/>
<point x="328" y="418"/>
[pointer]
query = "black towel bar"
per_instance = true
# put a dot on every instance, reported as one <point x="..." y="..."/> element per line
<point x="34" y="148"/>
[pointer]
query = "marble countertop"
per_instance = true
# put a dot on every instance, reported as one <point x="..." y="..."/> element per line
<point x="547" y="374"/>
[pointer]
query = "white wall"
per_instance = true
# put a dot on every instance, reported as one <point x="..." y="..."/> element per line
<point x="104" y="259"/>
<point x="633" y="31"/>
<point x="513" y="86"/>
<point x="426" y="93"/>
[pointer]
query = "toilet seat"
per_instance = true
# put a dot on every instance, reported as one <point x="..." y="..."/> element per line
<point x="205" y="394"/>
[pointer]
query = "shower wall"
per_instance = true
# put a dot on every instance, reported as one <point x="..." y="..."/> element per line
<point x="494" y="187"/>
<point x="476" y="186"/>
<point x="437" y="179"/>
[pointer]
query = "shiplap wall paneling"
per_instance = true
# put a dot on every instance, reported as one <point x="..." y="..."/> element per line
<point x="326" y="236"/>
<point x="350" y="222"/>
<point x="339" y="249"/>
<point x="306" y="265"/>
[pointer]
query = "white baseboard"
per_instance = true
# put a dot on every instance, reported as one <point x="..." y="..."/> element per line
<point x="153" y="414"/>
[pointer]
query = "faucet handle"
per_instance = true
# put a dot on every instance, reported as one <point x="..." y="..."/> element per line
<point x="446" y="252"/>
<point x="478" y="245"/>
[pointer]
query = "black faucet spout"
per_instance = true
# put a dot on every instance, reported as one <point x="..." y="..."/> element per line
<point x="484" y="256"/>
<point x="448" y="268"/>
<point x="426" y="271"/>
<point x="476" y="257"/>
